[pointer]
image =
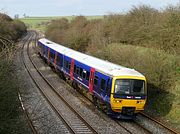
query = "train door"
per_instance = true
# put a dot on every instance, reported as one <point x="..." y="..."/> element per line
<point x="91" y="80"/>
<point x="48" y="56"/>
<point x="55" y="59"/>
<point x="108" y="88"/>
<point x="72" y="69"/>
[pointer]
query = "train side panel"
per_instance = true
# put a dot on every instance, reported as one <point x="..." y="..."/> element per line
<point x="102" y="89"/>
<point x="81" y="73"/>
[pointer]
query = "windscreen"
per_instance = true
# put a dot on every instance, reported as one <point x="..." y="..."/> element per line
<point x="129" y="86"/>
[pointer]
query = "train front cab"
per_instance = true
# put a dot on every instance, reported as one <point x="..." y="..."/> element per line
<point x="128" y="95"/>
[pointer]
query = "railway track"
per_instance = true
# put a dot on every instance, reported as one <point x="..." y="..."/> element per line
<point x="76" y="123"/>
<point x="28" y="119"/>
<point x="27" y="116"/>
<point x="26" y="40"/>
<point x="159" y="123"/>
<point x="73" y="121"/>
<point x="131" y="122"/>
<point x="136" y="123"/>
<point x="126" y="127"/>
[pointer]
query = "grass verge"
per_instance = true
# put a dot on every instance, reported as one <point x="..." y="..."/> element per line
<point x="12" y="120"/>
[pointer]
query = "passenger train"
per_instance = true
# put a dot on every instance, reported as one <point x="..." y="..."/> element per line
<point x="121" y="92"/>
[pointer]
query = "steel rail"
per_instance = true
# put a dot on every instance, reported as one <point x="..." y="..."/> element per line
<point x="29" y="121"/>
<point x="41" y="90"/>
<point x="73" y="131"/>
<point x="63" y="99"/>
<point x="158" y="122"/>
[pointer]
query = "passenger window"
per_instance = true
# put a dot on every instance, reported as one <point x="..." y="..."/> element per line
<point x="96" y="80"/>
<point x="77" y="71"/>
<point x="46" y="51"/>
<point x="87" y="75"/>
<point x="66" y="64"/>
<point x="58" y="60"/>
<point x="84" y="74"/>
<point x="81" y="71"/>
<point x="103" y="82"/>
<point x="61" y="59"/>
<point x="52" y="55"/>
<point x="75" y="68"/>
<point x="69" y="65"/>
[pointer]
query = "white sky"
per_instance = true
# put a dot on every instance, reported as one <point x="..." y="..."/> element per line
<point x="75" y="7"/>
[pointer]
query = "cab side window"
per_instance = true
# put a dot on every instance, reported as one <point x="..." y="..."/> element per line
<point x="108" y="86"/>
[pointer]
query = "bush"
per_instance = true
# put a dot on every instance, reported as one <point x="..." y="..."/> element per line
<point x="10" y="29"/>
<point x="11" y="117"/>
<point x="4" y="17"/>
<point x="157" y="66"/>
<point x="74" y="35"/>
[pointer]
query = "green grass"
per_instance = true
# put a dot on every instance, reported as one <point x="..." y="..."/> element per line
<point x="40" y="23"/>
<point x="173" y="115"/>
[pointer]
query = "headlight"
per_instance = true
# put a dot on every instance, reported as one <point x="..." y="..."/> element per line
<point x="117" y="101"/>
<point x="140" y="102"/>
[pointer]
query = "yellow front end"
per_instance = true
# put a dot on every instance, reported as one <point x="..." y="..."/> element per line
<point x="117" y="104"/>
<point x="129" y="101"/>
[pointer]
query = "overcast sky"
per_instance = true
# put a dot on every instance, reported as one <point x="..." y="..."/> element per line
<point x="75" y="7"/>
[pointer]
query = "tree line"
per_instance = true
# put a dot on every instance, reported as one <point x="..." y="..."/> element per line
<point x="141" y="26"/>
<point x="145" y="38"/>
<point x="10" y="29"/>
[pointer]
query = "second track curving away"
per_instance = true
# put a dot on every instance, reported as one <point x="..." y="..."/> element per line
<point x="29" y="121"/>
<point x="73" y="121"/>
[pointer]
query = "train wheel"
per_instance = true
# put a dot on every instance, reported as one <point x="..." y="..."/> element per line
<point x="107" y="109"/>
<point x="53" y="69"/>
<point x="45" y="60"/>
<point x="62" y="76"/>
<point x="99" y="105"/>
<point x="94" y="100"/>
<point x="74" y="85"/>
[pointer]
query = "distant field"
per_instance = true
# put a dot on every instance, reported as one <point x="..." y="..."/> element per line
<point x="40" y="23"/>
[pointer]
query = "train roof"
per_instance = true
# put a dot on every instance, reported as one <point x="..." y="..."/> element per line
<point x="99" y="64"/>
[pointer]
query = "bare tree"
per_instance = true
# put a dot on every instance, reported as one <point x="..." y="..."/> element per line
<point x="16" y="16"/>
